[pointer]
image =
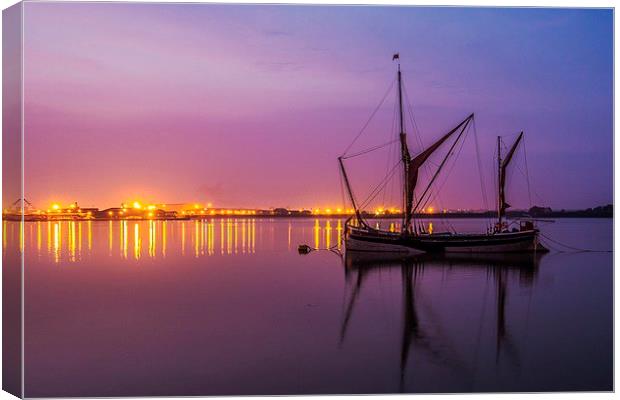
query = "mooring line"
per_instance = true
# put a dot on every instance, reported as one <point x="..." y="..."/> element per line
<point x="305" y="249"/>
<point x="575" y="249"/>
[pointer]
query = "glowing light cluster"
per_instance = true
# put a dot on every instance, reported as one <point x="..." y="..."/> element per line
<point x="138" y="209"/>
<point x="332" y="211"/>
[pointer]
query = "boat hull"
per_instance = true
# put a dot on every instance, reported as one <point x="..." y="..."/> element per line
<point x="508" y="242"/>
<point x="379" y="246"/>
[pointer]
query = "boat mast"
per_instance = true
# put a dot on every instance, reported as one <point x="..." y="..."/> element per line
<point x="503" y="164"/>
<point x="406" y="157"/>
<point x="499" y="185"/>
<point x="350" y="192"/>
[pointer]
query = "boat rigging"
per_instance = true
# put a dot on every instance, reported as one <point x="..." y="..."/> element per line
<point x="359" y="235"/>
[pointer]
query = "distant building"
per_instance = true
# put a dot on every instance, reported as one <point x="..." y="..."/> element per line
<point x="109" y="213"/>
<point x="74" y="211"/>
<point x="280" y="211"/>
<point x="299" y="213"/>
<point x="540" y="211"/>
<point x="134" y="213"/>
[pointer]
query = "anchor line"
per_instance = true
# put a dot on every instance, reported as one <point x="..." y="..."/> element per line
<point x="575" y="249"/>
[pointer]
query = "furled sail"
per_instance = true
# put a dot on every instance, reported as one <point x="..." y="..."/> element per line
<point x="502" y="177"/>
<point x="418" y="161"/>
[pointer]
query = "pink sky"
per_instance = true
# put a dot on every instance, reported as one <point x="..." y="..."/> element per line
<point x="251" y="105"/>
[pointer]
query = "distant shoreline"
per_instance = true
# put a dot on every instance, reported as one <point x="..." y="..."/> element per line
<point x="487" y="215"/>
<point x="194" y="211"/>
<point x="159" y="215"/>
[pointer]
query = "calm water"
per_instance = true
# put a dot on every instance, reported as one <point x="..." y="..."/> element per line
<point x="229" y="307"/>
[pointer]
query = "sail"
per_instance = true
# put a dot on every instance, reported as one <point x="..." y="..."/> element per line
<point x="418" y="161"/>
<point x="502" y="176"/>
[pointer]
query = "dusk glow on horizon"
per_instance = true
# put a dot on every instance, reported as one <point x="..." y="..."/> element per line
<point x="249" y="106"/>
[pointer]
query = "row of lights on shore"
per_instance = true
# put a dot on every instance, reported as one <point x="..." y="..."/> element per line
<point x="377" y="211"/>
<point x="208" y="210"/>
<point x="196" y="209"/>
<point x="73" y="207"/>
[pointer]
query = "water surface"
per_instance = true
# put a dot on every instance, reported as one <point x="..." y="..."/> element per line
<point x="227" y="307"/>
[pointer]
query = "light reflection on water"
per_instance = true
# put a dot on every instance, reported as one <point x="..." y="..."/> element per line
<point x="72" y="241"/>
<point x="202" y="307"/>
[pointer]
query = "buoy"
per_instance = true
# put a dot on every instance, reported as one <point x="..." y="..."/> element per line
<point x="304" y="249"/>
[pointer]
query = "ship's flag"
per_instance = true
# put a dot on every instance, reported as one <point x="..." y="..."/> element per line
<point x="396" y="56"/>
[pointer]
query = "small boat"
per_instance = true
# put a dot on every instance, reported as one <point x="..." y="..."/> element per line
<point x="359" y="235"/>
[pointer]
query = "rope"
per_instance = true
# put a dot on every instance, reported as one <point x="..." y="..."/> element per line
<point x="432" y="195"/>
<point x="371" y="117"/>
<point x="480" y="169"/>
<point x="305" y="249"/>
<point x="414" y="124"/>
<point x="379" y="187"/>
<point x="368" y="150"/>
<point x="391" y="154"/>
<point x="426" y="168"/>
<point x="464" y="129"/>
<point x="527" y="174"/>
<point x="575" y="249"/>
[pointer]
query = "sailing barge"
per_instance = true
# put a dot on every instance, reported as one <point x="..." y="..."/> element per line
<point x="501" y="238"/>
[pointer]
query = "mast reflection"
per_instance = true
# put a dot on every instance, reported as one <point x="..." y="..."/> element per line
<point x="4" y="236"/>
<point x="163" y="238"/>
<point x="39" y="241"/>
<point x="360" y="267"/>
<point x="137" y="242"/>
<point x="324" y="231"/>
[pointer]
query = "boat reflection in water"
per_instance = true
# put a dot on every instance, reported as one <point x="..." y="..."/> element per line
<point x="416" y="333"/>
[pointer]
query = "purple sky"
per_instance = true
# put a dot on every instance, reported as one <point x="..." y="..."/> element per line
<point x="251" y="105"/>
